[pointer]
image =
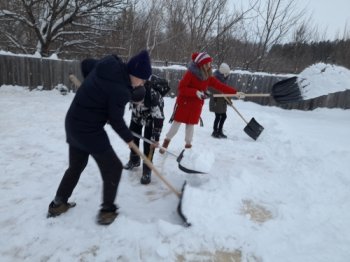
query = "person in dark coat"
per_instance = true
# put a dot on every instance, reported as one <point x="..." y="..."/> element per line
<point x="148" y="114"/>
<point x="218" y="105"/>
<point x="108" y="86"/>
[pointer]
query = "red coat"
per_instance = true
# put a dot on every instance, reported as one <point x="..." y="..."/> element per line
<point x="188" y="106"/>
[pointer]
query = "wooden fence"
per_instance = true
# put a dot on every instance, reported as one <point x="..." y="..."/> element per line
<point x="48" y="73"/>
<point x="34" y="72"/>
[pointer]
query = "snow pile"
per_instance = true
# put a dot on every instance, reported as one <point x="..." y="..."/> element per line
<point x="198" y="160"/>
<point x="320" y="79"/>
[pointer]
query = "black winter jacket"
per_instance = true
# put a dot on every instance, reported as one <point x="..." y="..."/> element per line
<point x="152" y="108"/>
<point x="100" y="99"/>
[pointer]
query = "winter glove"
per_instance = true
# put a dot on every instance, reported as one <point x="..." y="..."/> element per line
<point x="154" y="145"/>
<point x="130" y="143"/>
<point x="201" y="95"/>
<point x="240" y="95"/>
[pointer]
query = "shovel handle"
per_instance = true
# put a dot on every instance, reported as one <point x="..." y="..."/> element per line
<point x="152" y="142"/>
<point x="153" y="168"/>
<point x="74" y="80"/>
<point x="231" y="105"/>
<point x="246" y="95"/>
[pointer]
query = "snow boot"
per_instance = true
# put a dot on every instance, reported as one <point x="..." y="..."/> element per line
<point x="107" y="215"/>
<point x="131" y="164"/>
<point x="188" y="146"/>
<point x="215" y="134"/>
<point x="165" y="145"/>
<point x="134" y="161"/>
<point x="221" y="134"/>
<point x="146" y="178"/>
<point x="56" y="209"/>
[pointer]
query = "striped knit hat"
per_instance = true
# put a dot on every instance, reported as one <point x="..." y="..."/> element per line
<point x="201" y="59"/>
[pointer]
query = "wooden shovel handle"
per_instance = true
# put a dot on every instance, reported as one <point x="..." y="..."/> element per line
<point x="153" y="168"/>
<point x="231" y="105"/>
<point x="74" y="80"/>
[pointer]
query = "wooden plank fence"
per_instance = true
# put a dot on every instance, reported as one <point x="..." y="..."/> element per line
<point x="33" y="72"/>
<point x="48" y="73"/>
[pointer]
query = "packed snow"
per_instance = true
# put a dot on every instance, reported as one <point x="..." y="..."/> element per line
<point x="321" y="79"/>
<point x="284" y="197"/>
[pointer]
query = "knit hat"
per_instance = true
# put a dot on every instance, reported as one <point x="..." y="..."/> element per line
<point x="138" y="94"/>
<point x="224" y="69"/>
<point x="87" y="65"/>
<point x="201" y="59"/>
<point x="140" y="65"/>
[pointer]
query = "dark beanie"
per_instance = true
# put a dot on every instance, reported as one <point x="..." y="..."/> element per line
<point x="140" y="65"/>
<point x="87" y="65"/>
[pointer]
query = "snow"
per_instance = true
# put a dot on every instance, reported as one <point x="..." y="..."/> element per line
<point x="35" y="55"/>
<point x="284" y="197"/>
<point x="174" y="67"/>
<point x="319" y="79"/>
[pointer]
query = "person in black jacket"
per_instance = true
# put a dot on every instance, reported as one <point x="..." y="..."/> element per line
<point x="148" y="114"/>
<point x="108" y="86"/>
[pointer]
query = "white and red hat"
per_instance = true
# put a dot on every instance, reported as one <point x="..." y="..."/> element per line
<point x="201" y="59"/>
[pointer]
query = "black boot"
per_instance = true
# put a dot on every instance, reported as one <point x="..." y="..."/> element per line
<point x="134" y="161"/>
<point x="107" y="215"/>
<point x="221" y="134"/>
<point x="146" y="178"/>
<point x="215" y="134"/>
<point x="56" y="209"/>
<point x="131" y="164"/>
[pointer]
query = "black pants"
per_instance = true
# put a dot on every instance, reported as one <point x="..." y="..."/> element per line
<point x="110" y="167"/>
<point x="219" y="121"/>
<point x="146" y="146"/>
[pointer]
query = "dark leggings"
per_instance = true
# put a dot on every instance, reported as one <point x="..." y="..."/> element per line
<point x="146" y="146"/>
<point x="219" y="121"/>
<point x="110" y="167"/>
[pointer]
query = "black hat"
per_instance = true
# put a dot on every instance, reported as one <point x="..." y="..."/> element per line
<point x="140" y="65"/>
<point x="138" y="94"/>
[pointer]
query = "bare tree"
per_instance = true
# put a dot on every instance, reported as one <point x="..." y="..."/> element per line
<point x="174" y="43"/>
<point x="227" y="37"/>
<point x="55" y="25"/>
<point x="275" y="20"/>
<point x="200" y="17"/>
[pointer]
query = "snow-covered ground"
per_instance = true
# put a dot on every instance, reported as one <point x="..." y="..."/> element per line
<point x="284" y="197"/>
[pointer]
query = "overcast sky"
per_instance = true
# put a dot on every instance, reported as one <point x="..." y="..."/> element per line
<point x="329" y="15"/>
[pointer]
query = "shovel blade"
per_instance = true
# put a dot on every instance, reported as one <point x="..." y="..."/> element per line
<point x="185" y="169"/>
<point x="179" y="207"/>
<point x="190" y="171"/>
<point x="286" y="91"/>
<point x="253" y="129"/>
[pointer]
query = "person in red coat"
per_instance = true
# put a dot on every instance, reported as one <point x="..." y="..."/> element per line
<point x="191" y="94"/>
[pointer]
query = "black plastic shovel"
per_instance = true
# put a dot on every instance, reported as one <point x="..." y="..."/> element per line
<point x="253" y="128"/>
<point x="134" y="147"/>
<point x="287" y="90"/>
<point x="178" y="157"/>
<point x="284" y="91"/>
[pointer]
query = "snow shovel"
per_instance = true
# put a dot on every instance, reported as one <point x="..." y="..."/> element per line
<point x="177" y="193"/>
<point x="284" y="91"/>
<point x="287" y="90"/>
<point x="253" y="128"/>
<point x="178" y="158"/>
